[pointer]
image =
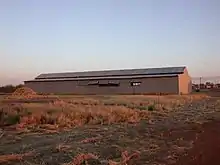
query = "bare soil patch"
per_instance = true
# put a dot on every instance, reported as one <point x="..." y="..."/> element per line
<point x="206" y="148"/>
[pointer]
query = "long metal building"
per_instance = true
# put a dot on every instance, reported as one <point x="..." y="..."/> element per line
<point x="167" y="80"/>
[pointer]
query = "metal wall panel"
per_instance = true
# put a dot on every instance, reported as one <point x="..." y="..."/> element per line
<point x="167" y="85"/>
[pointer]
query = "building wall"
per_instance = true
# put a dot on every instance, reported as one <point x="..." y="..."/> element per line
<point x="168" y="85"/>
<point x="185" y="83"/>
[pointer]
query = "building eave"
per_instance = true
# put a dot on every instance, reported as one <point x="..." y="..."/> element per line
<point x="103" y="78"/>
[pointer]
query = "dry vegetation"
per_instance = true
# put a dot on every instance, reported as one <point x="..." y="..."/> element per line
<point x="13" y="157"/>
<point x="76" y="111"/>
<point x="102" y="118"/>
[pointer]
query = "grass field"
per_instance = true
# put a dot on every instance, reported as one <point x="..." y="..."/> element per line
<point x="70" y="129"/>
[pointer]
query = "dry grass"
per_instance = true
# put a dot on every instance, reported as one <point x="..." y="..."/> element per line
<point x="82" y="159"/>
<point x="91" y="140"/>
<point x="125" y="159"/>
<point x="95" y="144"/>
<point x="14" y="157"/>
<point x="77" y="110"/>
<point x="62" y="147"/>
<point x="68" y="116"/>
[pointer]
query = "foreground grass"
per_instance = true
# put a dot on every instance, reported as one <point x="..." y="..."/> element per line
<point x="14" y="157"/>
<point x="67" y="115"/>
<point x="109" y="129"/>
<point x="66" y="112"/>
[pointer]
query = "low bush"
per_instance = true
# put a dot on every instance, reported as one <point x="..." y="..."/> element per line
<point x="151" y="108"/>
<point x="9" y="119"/>
<point x="197" y="90"/>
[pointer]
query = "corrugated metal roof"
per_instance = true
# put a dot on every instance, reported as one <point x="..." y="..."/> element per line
<point x="104" y="78"/>
<point x="106" y="73"/>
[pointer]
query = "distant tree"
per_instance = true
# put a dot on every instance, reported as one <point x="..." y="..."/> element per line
<point x="208" y="83"/>
<point x="9" y="88"/>
<point x="19" y="86"/>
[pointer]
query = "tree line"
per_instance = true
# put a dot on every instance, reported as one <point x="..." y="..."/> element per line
<point x="9" y="88"/>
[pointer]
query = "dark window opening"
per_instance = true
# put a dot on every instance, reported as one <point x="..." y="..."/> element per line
<point x="98" y="83"/>
<point x="135" y="83"/>
<point x="93" y="83"/>
<point x="82" y="83"/>
<point x="109" y="85"/>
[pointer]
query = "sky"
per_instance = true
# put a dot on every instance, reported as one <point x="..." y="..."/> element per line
<point x="43" y="36"/>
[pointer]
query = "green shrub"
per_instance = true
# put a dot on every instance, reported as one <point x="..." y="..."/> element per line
<point x="26" y="112"/>
<point x="197" y="90"/>
<point x="109" y="103"/>
<point x="29" y="113"/>
<point x="122" y="104"/>
<point x="12" y="119"/>
<point x="142" y="107"/>
<point x="151" y="108"/>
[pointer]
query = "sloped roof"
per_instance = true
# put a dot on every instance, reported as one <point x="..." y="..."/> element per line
<point x="106" y="73"/>
<point x="103" y="78"/>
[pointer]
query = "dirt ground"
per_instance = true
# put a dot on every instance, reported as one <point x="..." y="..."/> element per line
<point x="189" y="136"/>
<point x="206" y="148"/>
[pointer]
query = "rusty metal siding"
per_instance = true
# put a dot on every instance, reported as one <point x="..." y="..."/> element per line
<point x="185" y="83"/>
<point x="167" y="85"/>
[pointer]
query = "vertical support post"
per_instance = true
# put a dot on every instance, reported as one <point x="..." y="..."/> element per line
<point x="200" y="82"/>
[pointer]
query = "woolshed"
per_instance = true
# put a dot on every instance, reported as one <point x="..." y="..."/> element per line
<point x="165" y="80"/>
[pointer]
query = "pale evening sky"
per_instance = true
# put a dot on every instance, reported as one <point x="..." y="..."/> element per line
<point x="38" y="36"/>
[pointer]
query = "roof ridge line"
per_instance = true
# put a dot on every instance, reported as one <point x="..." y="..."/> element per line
<point x="108" y="70"/>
